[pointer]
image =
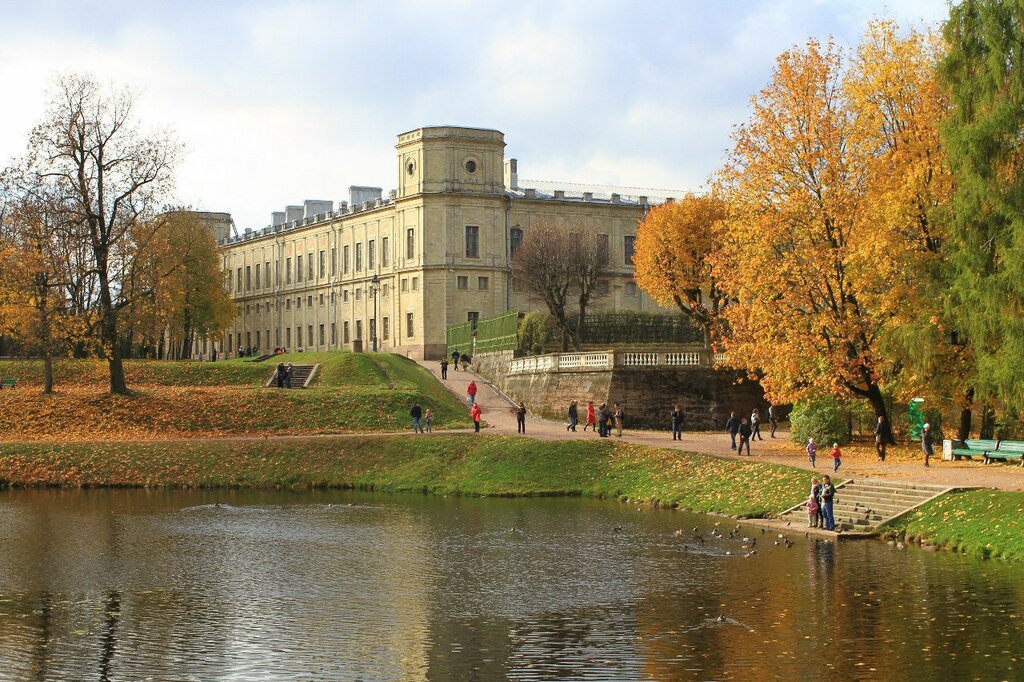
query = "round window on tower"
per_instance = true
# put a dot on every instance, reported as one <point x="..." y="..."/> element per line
<point x="470" y="166"/>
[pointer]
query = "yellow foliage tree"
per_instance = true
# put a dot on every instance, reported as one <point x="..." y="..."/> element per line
<point x="673" y="243"/>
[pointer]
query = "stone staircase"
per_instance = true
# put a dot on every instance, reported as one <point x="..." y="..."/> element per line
<point x="865" y="504"/>
<point x="302" y="376"/>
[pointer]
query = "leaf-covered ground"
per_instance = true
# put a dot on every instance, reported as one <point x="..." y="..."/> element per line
<point x="354" y="392"/>
<point x="444" y="464"/>
<point x="981" y="522"/>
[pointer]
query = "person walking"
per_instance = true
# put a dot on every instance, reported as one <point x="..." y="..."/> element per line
<point x="677" y="422"/>
<point x="474" y="413"/>
<point x="619" y="416"/>
<point x="812" y="451"/>
<point x="773" y="419"/>
<point x="744" y="432"/>
<point x="471" y="392"/>
<point x="521" y="417"/>
<point x="444" y="369"/>
<point x="926" y="443"/>
<point x="574" y="417"/>
<point x="755" y="425"/>
<point x="465" y="360"/>
<point x="417" y="414"/>
<point x="591" y="416"/>
<point x="604" y="419"/>
<point x="455" y="359"/>
<point x="280" y="374"/>
<point x="828" y="493"/>
<point x="883" y="434"/>
<point x="837" y="457"/>
<point x="733" y="427"/>
<point x="288" y="372"/>
<point x="428" y="420"/>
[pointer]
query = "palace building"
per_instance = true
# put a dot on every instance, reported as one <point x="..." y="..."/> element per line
<point x="435" y="252"/>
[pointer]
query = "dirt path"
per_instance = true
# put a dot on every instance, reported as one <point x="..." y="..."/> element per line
<point x="903" y="462"/>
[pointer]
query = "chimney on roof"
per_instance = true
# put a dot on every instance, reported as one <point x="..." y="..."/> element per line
<point x="588" y="196"/>
<point x="511" y="174"/>
<point x="292" y="213"/>
<point x="276" y="218"/>
<point x="559" y="193"/>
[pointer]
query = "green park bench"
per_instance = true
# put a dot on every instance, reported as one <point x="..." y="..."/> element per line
<point x="8" y="383"/>
<point x="1007" y="451"/>
<point x="973" y="447"/>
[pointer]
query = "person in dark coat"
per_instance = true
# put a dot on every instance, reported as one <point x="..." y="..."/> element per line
<point x="521" y="417"/>
<point x="926" y="443"/>
<point x="574" y="416"/>
<point x="444" y="368"/>
<point x="417" y="414"/>
<point x="744" y="432"/>
<point x="733" y="427"/>
<point x="280" y="374"/>
<point x="773" y="419"/>
<point x="455" y="359"/>
<point x="288" y="375"/>
<point x="604" y="417"/>
<point x="883" y="434"/>
<point x="677" y="423"/>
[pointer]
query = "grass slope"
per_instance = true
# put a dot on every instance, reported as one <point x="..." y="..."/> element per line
<point x="444" y="464"/>
<point x="986" y="523"/>
<point x="354" y="392"/>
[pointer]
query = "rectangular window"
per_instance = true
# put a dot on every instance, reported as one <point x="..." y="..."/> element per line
<point x="384" y="257"/>
<point x="473" y="317"/>
<point x="229" y="342"/>
<point x="309" y="301"/>
<point x="359" y="329"/>
<point x="334" y="334"/>
<point x="462" y="282"/>
<point x="248" y="277"/>
<point x="384" y="290"/>
<point x="344" y="331"/>
<point x="298" y="268"/>
<point x="344" y="295"/>
<point x="257" y="276"/>
<point x="344" y="259"/>
<point x="602" y="248"/>
<point x="288" y="337"/>
<point x="334" y="261"/>
<point x="277" y="272"/>
<point x="321" y="299"/>
<point x="309" y="263"/>
<point x="515" y="239"/>
<point x="373" y="329"/>
<point x="483" y="283"/>
<point x="277" y="336"/>
<point x="248" y="340"/>
<point x="359" y="294"/>
<point x="321" y="335"/>
<point x="410" y="243"/>
<point x="323" y="264"/>
<point x="631" y="289"/>
<point x="288" y="270"/>
<point x="266" y="275"/>
<point x="405" y="284"/>
<point x="627" y="247"/>
<point x="415" y="283"/>
<point x="371" y="254"/>
<point x="472" y="241"/>
<point x="288" y="304"/>
<point x="309" y="335"/>
<point x="359" y="256"/>
<point x="298" y="302"/>
<point x="385" y="327"/>
<point x="408" y="325"/>
<point x="239" y="287"/>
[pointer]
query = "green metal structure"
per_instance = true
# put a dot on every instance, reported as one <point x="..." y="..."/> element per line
<point x="486" y="335"/>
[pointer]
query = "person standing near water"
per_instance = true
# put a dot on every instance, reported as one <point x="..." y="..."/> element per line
<point x="882" y="436"/>
<point x="828" y="493"/>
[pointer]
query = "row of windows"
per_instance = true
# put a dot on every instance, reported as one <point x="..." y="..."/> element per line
<point x="253" y="277"/>
<point x="261" y="339"/>
<point x="516" y="241"/>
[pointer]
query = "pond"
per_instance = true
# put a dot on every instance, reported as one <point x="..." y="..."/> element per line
<point x="338" y="585"/>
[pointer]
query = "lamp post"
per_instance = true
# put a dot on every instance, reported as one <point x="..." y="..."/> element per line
<point x="374" y="285"/>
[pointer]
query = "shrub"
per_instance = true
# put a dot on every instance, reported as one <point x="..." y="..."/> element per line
<point x="824" y="419"/>
<point x="533" y="332"/>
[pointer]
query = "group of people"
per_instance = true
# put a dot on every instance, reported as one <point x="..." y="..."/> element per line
<point x="812" y="454"/>
<point x="746" y="430"/>
<point x="284" y="375"/>
<point x="422" y="422"/>
<point x="819" y="504"/>
<point x="601" y="420"/>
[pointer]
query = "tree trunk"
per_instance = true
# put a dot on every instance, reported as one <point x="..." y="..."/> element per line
<point x="874" y="396"/>
<point x="988" y="423"/>
<point x="47" y="372"/>
<point x="964" y="431"/>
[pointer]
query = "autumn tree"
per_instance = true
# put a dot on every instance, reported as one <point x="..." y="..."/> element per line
<point x="564" y="267"/>
<point x="983" y="74"/>
<point x="110" y="180"/>
<point x="671" y="259"/>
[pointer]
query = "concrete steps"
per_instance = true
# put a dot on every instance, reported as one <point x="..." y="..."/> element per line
<point x="866" y="504"/>
<point x="302" y="376"/>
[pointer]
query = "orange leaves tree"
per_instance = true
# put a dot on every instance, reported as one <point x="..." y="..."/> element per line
<point x="673" y="243"/>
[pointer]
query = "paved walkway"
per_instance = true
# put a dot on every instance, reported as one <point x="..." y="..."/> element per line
<point x="903" y="463"/>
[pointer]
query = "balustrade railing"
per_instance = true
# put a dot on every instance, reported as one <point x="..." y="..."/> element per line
<point x="577" y="361"/>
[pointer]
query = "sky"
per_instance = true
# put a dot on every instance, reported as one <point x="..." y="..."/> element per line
<point x="275" y="102"/>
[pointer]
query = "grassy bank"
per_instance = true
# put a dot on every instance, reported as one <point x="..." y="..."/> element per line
<point x="986" y="523"/>
<point x="353" y="392"/>
<point x="444" y="464"/>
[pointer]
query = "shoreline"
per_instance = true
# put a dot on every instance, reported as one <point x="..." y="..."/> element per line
<point x="986" y="523"/>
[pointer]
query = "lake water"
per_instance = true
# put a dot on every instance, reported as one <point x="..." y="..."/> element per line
<point x="198" y="585"/>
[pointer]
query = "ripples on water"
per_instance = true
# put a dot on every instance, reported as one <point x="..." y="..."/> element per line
<point x="129" y="585"/>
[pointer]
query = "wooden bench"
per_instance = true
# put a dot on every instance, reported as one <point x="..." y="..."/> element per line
<point x="8" y="383"/>
<point x="1007" y="451"/>
<point x="973" y="447"/>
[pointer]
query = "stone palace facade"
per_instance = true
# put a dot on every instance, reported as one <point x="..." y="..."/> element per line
<point x="434" y="252"/>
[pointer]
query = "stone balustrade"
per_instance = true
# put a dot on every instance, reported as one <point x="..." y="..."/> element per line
<point x="609" y="359"/>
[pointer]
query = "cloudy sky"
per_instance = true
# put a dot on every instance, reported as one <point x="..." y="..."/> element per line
<point x="280" y="101"/>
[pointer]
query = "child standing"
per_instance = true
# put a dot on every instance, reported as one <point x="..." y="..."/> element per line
<point x="837" y="456"/>
<point x="812" y="511"/>
<point x="428" y="420"/>
<point x="816" y="496"/>
<point x="812" y="450"/>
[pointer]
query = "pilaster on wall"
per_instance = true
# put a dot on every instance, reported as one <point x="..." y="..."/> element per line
<point x="646" y="393"/>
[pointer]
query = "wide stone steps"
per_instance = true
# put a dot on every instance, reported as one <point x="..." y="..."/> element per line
<point x="864" y="504"/>
<point x="302" y="376"/>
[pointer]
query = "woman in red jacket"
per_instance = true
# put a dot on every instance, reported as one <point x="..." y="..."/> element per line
<point x="475" y="413"/>
<point x="591" y="417"/>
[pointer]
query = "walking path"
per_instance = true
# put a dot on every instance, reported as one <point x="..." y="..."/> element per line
<point x="903" y="463"/>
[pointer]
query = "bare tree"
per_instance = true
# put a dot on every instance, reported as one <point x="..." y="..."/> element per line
<point x="110" y="180"/>
<point x="564" y="267"/>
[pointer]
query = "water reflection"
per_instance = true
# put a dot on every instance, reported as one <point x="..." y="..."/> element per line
<point x="124" y="585"/>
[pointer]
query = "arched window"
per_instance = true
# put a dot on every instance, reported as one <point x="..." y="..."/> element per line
<point x="515" y="239"/>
